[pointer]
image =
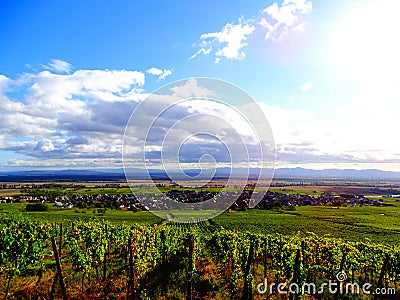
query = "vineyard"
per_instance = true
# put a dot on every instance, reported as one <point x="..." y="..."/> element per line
<point x="98" y="260"/>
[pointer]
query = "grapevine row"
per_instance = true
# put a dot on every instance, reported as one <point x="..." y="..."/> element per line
<point x="102" y="250"/>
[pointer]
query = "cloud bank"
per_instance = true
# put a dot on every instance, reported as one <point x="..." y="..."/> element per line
<point x="77" y="120"/>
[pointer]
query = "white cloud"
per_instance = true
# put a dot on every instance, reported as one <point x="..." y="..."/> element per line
<point x="54" y="163"/>
<point x="201" y="51"/>
<point x="306" y="86"/>
<point x="68" y="116"/>
<point x="228" y="43"/>
<point x="154" y="71"/>
<point x="279" y="19"/>
<point x="162" y="74"/>
<point x="165" y="74"/>
<point x="45" y="145"/>
<point x="364" y="133"/>
<point x="184" y="128"/>
<point x="191" y="88"/>
<point x="62" y="90"/>
<point x="59" y="66"/>
<point x="4" y="82"/>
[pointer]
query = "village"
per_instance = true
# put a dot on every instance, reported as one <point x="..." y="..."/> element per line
<point x="135" y="202"/>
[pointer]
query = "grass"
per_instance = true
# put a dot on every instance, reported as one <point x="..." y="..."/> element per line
<point x="9" y="192"/>
<point x="352" y="224"/>
<point x="59" y="215"/>
<point x="293" y="190"/>
<point x="99" y="190"/>
<point x="88" y="190"/>
<point x="143" y="190"/>
<point x="377" y="224"/>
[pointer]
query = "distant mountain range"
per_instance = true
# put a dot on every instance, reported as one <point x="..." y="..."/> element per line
<point x="221" y="173"/>
<point x="337" y="173"/>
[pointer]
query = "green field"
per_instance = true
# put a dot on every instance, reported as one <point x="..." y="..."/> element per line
<point x="377" y="224"/>
<point x="70" y="190"/>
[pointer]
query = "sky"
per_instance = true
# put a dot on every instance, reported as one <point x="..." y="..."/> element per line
<point x="325" y="73"/>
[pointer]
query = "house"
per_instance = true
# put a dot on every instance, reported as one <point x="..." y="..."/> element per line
<point x="122" y="207"/>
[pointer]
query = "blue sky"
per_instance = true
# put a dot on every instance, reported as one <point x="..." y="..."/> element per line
<point x="325" y="72"/>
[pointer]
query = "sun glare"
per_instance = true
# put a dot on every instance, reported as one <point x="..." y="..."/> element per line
<point x="366" y="43"/>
